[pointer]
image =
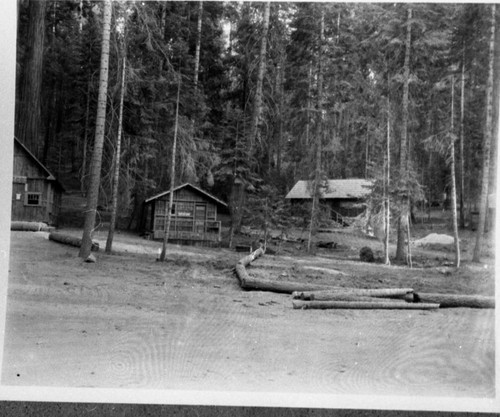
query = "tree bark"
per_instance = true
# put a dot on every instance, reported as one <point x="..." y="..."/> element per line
<point x="483" y="207"/>
<point x="95" y="174"/>
<point x="361" y="305"/>
<point x="116" y="179"/>
<point x="401" y="250"/>
<point x="28" y="113"/>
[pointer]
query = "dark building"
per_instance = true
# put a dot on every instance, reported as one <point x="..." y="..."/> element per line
<point x="36" y="194"/>
<point x="344" y="198"/>
<point x="194" y="216"/>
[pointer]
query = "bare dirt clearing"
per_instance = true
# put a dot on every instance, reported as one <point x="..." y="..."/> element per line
<point x="128" y="321"/>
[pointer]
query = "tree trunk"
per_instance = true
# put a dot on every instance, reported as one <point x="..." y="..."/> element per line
<point x="281" y="115"/>
<point x="257" y="111"/>
<point x="401" y="251"/>
<point x="387" y="174"/>
<point x="453" y="178"/>
<point x="483" y="207"/>
<point x="116" y="179"/>
<point x="198" y="45"/>
<point x="95" y="174"/>
<point x="319" y="137"/>
<point x="461" y="144"/>
<point x="172" y="176"/>
<point x="28" y="113"/>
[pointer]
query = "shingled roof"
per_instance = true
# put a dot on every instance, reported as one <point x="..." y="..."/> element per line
<point x="343" y="189"/>
<point x="192" y="187"/>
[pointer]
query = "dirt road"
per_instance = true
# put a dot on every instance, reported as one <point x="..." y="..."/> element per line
<point x="128" y="321"/>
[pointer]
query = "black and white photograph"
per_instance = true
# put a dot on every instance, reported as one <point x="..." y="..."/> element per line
<point x="286" y="204"/>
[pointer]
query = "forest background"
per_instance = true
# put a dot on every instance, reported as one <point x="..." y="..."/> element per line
<point x="260" y="95"/>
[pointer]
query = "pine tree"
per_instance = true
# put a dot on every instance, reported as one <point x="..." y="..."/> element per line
<point x="403" y="222"/>
<point x="487" y="140"/>
<point x="116" y="176"/>
<point x="93" y="193"/>
<point x="28" y="113"/>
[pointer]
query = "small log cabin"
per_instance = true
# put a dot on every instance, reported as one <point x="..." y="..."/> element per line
<point x="36" y="194"/>
<point x="344" y="197"/>
<point x="194" y="216"/>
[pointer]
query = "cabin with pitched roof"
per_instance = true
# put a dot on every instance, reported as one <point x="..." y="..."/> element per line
<point x="194" y="216"/>
<point x="36" y="194"/>
<point x="344" y="197"/>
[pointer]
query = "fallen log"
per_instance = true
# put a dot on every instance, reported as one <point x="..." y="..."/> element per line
<point x="454" y="300"/>
<point x="362" y="305"/>
<point x="30" y="226"/>
<point x="332" y="294"/>
<point x="249" y="283"/>
<point x="348" y="296"/>
<point x="70" y="240"/>
<point x="285" y="287"/>
<point x="241" y="271"/>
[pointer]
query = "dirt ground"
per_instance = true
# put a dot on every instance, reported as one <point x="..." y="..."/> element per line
<point x="129" y="321"/>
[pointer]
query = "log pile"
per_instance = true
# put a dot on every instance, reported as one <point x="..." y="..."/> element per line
<point x="316" y="296"/>
<point x="70" y="240"/>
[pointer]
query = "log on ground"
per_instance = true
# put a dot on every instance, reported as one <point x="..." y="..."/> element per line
<point x="70" y="240"/>
<point x="30" y="226"/>
<point x="332" y="294"/>
<point x="285" y="287"/>
<point x="455" y="300"/>
<point x="348" y="296"/>
<point x="249" y="283"/>
<point x="362" y="305"/>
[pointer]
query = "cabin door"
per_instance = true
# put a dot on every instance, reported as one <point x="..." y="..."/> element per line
<point x="200" y="214"/>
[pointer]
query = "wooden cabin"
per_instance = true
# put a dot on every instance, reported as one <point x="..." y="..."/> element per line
<point x="194" y="216"/>
<point x="344" y="197"/>
<point x="36" y="194"/>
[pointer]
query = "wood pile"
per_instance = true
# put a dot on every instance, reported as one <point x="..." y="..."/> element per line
<point x="316" y="296"/>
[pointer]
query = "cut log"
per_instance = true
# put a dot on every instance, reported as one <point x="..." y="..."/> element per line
<point x="249" y="283"/>
<point x="30" y="226"/>
<point x="332" y="293"/>
<point x="70" y="240"/>
<point x="455" y="300"/>
<point x="363" y="305"/>
<point x="348" y="296"/>
<point x="285" y="287"/>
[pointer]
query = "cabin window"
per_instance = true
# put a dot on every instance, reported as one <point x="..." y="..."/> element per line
<point x="33" y="199"/>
